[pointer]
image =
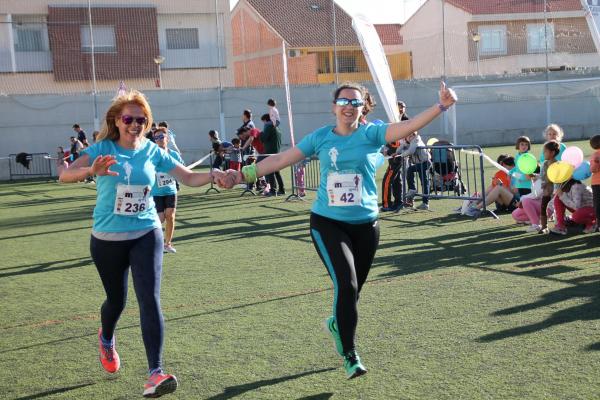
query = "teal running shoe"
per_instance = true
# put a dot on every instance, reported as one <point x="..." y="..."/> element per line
<point x="354" y="368"/>
<point x="331" y="327"/>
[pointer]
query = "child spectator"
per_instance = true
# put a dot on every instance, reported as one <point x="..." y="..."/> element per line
<point x="530" y="205"/>
<point x="521" y="181"/>
<point x="235" y="155"/>
<point x="61" y="160"/>
<point x="273" y="112"/>
<point x="551" y="151"/>
<point x="595" y="168"/>
<point x="501" y="191"/>
<point x="213" y="136"/>
<point x="554" y="132"/>
<point x="420" y="160"/>
<point x="577" y="198"/>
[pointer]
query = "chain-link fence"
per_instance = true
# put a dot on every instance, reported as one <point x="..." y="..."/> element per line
<point x="517" y="66"/>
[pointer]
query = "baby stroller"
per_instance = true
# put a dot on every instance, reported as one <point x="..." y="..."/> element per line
<point x="446" y="170"/>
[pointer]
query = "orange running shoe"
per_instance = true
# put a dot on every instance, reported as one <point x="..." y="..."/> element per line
<point x="160" y="384"/>
<point x="108" y="355"/>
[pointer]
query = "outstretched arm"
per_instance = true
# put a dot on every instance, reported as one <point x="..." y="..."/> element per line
<point x="399" y="130"/>
<point x="195" y="179"/>
<point x="270" y="164"/>
<point x="79" y="170"/>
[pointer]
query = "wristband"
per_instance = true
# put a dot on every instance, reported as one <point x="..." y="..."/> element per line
<point x="249" y="172"/>
<point x="442" y="107"/>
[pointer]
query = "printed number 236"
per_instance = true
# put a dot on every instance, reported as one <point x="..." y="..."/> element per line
<point x="347" y="198"/>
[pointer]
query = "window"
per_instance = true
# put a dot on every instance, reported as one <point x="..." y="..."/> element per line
<point x="536" y="38"/>
<point x="182" y="38"/>
<point x="104" y="39"/>
<point x="28" y="40"/>
<point x="493" y="40"/>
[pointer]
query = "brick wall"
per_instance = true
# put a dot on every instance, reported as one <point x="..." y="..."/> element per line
<point x="572" y="36"/>
<point x="136" y="43"/>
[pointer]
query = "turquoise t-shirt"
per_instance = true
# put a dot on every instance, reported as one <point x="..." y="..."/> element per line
<point x="518" y="179"/>
<point x="358" y="153"/>
<point x="558" y="157"/>
<point x="135" y="167"/>
<point x="165" y="184"/>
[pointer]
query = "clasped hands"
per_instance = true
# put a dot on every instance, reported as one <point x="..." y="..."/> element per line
<point x="227" y="179"/>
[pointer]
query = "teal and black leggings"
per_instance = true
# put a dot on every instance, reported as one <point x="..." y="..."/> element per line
<point x="347" y="250"/>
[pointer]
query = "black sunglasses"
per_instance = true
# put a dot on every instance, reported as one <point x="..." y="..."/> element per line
<point x="342" y="101"/>
<point x="128" y="120"/>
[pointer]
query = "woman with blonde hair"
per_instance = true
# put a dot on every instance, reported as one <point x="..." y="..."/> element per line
<point x="127" y="233"/>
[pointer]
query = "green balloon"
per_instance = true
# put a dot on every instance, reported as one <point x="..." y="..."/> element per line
<point x="527" y="163"/>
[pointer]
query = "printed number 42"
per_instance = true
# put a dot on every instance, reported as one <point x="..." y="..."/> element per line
<point x="347" y="198"/>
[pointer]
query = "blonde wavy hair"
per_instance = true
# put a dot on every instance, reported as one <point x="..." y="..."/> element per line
<point x="556" y="128"/>
<point x="109" y="128"/>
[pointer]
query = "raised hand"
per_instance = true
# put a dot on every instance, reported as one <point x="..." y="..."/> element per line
<point x="447" y="95"/>
<point x="101" y="166"/>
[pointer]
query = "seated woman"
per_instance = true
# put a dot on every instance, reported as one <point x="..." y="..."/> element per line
<point x="577" y="198"/>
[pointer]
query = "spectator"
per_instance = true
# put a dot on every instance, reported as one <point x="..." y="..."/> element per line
<point x="150" y="133"/>
<point x="271" y="139"/>
<point x="551" y="151"/>
<point x="213" y="136"/>
<point x="80" y="133"/>
<point x="577" y="198"/>
<point x="391" y="186"/>
<point x="420" y="162"/>
<point x="370" y="104"/>
<point x="595" y="169"/>
<point x="247" y="122"/>
<point x="273" y="112"/>
<point x="554" y="132"/>
<point x="61" y="160"/>
<point x="235" y="155"/>
<point x="76" y="147"/>
<point x="94" y="136"/>
<point x="251" y="139"/>
<point x="501" y="192"/>
<point x="521" y="181"/>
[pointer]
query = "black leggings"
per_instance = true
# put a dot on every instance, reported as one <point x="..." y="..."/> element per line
<point x="347" y="250"/>
<point x="144" y="255"/>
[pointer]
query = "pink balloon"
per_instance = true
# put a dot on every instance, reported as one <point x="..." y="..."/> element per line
<point x="573" y="155"/>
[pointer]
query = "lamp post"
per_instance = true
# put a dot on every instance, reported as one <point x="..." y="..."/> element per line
<point x="477" y="38"/>
<point x="158" y="60"/>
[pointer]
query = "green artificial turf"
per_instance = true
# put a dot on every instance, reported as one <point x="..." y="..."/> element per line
<point x="453" y="309"/>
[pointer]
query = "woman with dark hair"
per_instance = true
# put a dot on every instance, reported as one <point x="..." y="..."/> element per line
<point x="343" y="223"/>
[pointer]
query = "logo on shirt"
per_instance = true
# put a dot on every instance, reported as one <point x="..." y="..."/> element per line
<point x="128" y="169"/>
<point x="333" y="155"/>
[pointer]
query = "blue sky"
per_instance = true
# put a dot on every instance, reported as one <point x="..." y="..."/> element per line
<point x="379" y="11"/>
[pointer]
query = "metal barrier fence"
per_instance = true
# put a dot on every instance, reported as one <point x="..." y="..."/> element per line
<point x="24" y="165"/>
<point x="455" y="172"/>
<point x="452" y="174"/>
<point x="306" y="175"/>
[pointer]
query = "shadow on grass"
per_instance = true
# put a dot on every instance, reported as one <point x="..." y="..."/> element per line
<point x="499" y="249"/>
<point x="320" y="396"/>
<point x="47" y="267"/>
<point x="588" y="311"/>
<point x="54" y="391"/>
<point x="234" y="391"/>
